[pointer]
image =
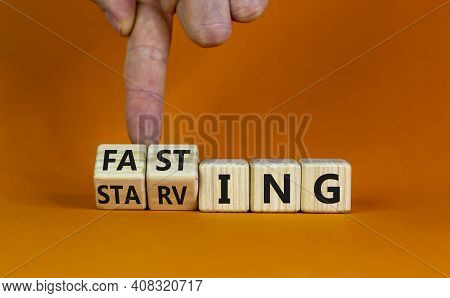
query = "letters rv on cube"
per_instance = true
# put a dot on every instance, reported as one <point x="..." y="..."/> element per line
<point x="169" y="177"/>
<point x="172" y="177"/>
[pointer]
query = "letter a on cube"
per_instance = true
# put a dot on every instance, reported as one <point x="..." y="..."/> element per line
<point x="119" y="177"/>
<point x="326" y="186"/>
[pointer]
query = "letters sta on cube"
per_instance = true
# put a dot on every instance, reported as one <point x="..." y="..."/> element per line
<point x="171" y="177"/>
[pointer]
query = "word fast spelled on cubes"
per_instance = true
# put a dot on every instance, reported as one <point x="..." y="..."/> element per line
<point x="169" y="177"/>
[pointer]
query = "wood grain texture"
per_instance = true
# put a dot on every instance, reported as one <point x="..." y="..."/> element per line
<point x="172" y="188"/>
<point x="281" y="170"/>
<point x="211" y="185"/>
<point x="124" y="181"/>
<point x="312" y="169"/>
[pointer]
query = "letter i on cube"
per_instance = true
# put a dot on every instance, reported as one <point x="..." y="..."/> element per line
<point x="224" y="185"/>
<point x="169" y="176"/>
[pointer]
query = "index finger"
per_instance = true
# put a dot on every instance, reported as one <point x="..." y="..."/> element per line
<point x="145" y="71"/>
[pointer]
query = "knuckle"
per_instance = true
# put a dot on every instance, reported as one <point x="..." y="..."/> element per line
<point x="148" y="51"/>
<point x="135" y="92"/>
<point x="249" y="11"/>
<point x="210" y="35"/>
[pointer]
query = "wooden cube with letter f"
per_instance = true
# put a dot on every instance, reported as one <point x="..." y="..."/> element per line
<point x="119" y="177"/>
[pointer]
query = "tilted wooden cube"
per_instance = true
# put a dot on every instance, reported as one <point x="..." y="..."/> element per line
<point x="119" y="177"/>
<point x="172" y="177"/>
<point x="224" y="185"/>
<point x="275" y="185"/>
<point x="326" y="186"/>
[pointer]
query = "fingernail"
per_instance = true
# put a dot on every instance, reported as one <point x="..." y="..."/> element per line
<point x="113" y="21"/>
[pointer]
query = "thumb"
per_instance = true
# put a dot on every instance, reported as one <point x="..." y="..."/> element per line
<point x="120" y="13"/>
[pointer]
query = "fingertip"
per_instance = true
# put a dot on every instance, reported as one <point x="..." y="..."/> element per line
<point x="120" y="14"/>
<point x="126" y="26"/>
<point x="245" y="11"/>
<point x="144" y="120"/>
<point x="128" y="18"/>
<point x="206" y="22"/>
<point x="145" y="69"/>
<point x="211" y="35"/>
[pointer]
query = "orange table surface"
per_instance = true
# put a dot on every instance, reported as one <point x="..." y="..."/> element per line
<point x="377" y="70"/>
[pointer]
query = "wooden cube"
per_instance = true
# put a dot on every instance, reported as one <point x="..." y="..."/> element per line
<point x="119" y="177"/>
<point x="326" y="186"/>
<point x="224" y="185"/>
<point x="172" y="177"/>
<point x="275" y="185"/>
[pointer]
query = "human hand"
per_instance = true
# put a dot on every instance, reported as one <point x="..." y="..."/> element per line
<point x="148" y="23"/>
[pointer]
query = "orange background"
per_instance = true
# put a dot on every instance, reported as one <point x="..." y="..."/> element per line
<point x="386" y="113"/>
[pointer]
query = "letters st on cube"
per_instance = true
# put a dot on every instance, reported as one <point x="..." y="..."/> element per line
<point x="169" y="177"/>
